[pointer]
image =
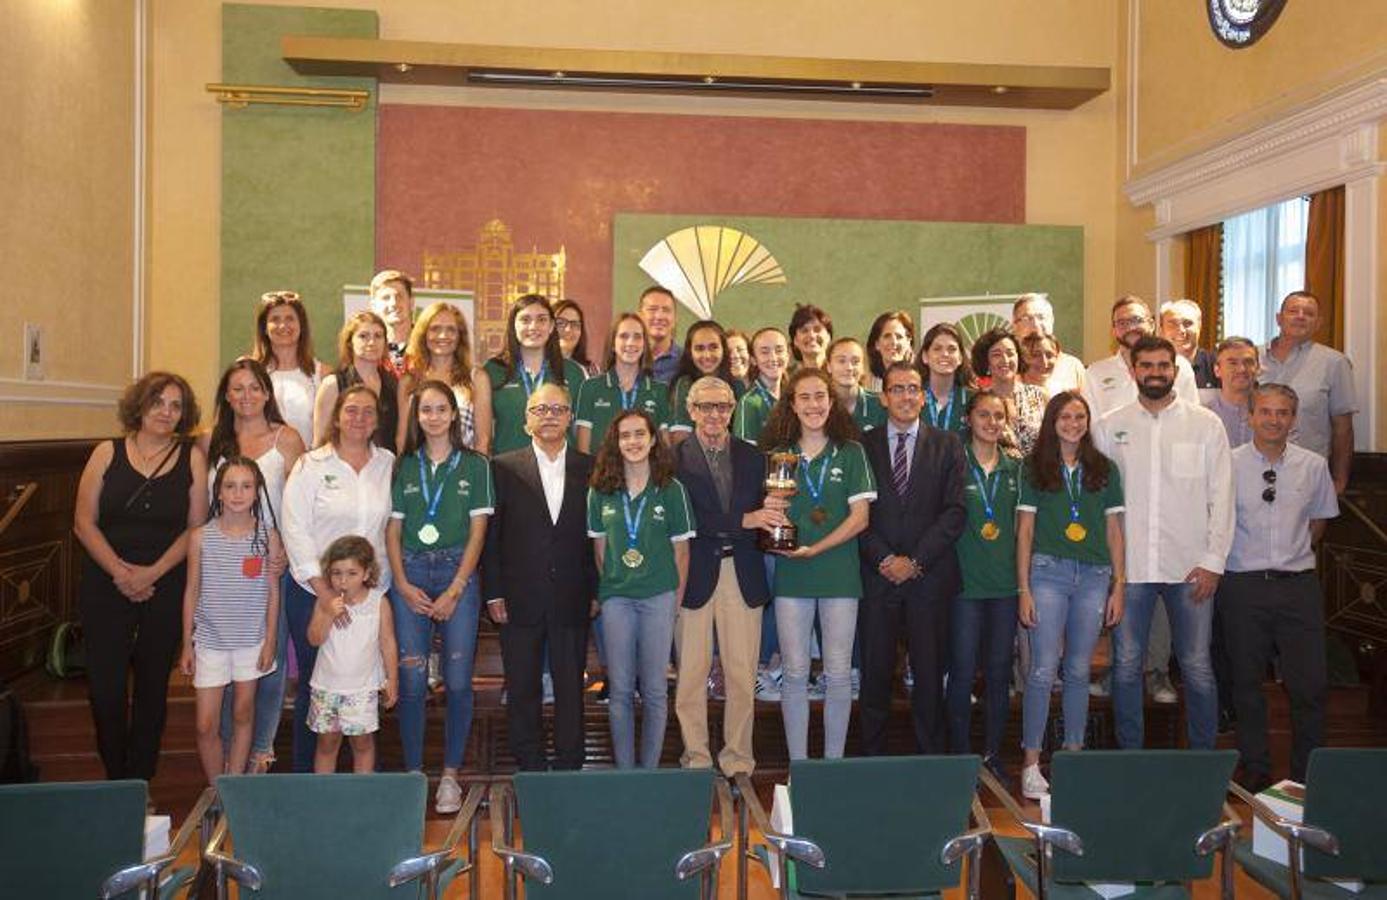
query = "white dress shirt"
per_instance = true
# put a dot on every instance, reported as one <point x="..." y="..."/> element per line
<point x="551" y="476"/>
<point x="1067" y="375"/>
<point x="1109" y="384"/>
<point x="325" y="499"/>
<point x="1276" y="534"/>
<point x="1179" y="490"/>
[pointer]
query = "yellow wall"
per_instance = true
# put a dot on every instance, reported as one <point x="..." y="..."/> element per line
<point x="1071" y="156"/>
<point x="66" y="235"/>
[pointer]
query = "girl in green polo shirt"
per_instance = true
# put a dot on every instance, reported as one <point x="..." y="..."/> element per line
<point x="640" y="521"/>
<point x="1069" y="571"/>
<point x="532" y="357"/>
<point x="441" y="499"/>
<point x="823" y="574"/>
<point x="982" y="620"/>
<point x="625" y="384"/>
<point x="705" y="353"/>
<point x="948" y="377"/>
<point x="846" y="362"/>
<point x="770" y="354"/>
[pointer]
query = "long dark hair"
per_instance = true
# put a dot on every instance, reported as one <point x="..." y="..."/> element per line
<point x="260" y="534"/>
<point x="874" y="360"/>
<point x="609" y="467"/>
<point x="580" y="349"/>
<point x="223" y="440"/>
<point x="1044" y="464"/>
<point x="963" y="375"/>
<point x="260" y="348"/>
<point x="688" y="370"/>
<point x="783" y="428"/>
<point x="414" y="435"/>
<point x="510" y="358"/>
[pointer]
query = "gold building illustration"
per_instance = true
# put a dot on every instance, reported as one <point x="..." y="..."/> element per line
<point x="496" y="275"/>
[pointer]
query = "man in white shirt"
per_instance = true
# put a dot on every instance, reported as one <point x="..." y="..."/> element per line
<point x="1108" y="383"/>
<point x="1033" y="314"/>
<point x="1270" y="598"/>
<point x="1173" y="455"/>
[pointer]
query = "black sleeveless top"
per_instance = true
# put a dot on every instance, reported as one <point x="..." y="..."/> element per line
<point x="387" y="403"/>
<point x="141" y="517"/>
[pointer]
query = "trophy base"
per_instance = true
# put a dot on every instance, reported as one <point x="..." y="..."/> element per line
<point x="781" y="538"/>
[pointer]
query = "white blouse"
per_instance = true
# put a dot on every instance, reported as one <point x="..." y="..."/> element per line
<point x="295" y="394"/>
<point x="325" y="499"/>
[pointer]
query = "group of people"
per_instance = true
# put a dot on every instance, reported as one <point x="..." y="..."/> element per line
<point x="944" y="495"/>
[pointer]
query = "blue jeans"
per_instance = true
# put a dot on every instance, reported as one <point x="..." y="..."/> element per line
<point x="980" y="631"/>
<point x="1070" y="598"/>
<point x="269" y="692"/>
<point x="432" y="571"/>
<point x="298" y="612"/>
<point x="1191" y="630"/>
<point x="794" y="617"/>
<point x="639" y="632"/>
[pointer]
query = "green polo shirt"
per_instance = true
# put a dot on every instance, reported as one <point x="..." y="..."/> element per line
<point x="466" y="493"/>
<point x="752" y="412"/>
<point x="679" y="418"/>
<point x="989" y="567"/>
<point x="599" y="401"/>
<point x="1052" y="517"/>
<point x="836" y="572"/>
<point x="508" y="399"/>
<point x="868" y="412"/>
<point x="667" y="518"/>
<point x="950" y="419"/>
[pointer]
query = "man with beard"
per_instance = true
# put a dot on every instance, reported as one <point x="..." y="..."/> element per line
<point x="1108" y="383"/>
<point x="1174" y="459"/>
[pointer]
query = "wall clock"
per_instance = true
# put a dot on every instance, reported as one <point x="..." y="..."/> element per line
<point x="1240" y="23"/>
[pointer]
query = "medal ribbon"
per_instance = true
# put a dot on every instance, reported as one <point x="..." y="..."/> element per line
<point x="983" y="480"/>
<point x="1074" y="487"/>
<point x="628" y="401"/>
<point x="532" y="383"/>
<point x="632" y="525"/>
<point x="939" y="417"/>
<point x="760" y="388"/>
<point x="431" y="500"/>
<point x="816" y="490"/>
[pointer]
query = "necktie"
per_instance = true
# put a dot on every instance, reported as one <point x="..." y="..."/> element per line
<point x="900" y="471"/>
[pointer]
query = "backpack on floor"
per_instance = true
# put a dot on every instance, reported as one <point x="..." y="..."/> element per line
<point x="67" y="652"/>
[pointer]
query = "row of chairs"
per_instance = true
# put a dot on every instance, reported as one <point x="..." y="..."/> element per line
<point x="893" y="826"/>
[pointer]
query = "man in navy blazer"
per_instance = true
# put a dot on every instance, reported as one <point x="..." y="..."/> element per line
<point x="909" y="569"/>
<point x="727" y="578"/>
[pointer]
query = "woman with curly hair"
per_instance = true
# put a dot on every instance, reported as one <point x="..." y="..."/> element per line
<point x="640" y="520"/>
<point x="440" y="348"/>
<point x="997" y="357"/>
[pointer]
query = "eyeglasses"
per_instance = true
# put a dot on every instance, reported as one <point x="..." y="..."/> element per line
<point x="721" y="409"/>
<point x="1269" y="476"/>
<point x="904" y="390"/>
<point x="545" y="410"/>
<point x="1132" y="322"/>
<point x="568" y="324"/>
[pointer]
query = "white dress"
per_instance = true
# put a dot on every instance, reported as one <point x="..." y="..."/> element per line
<point x="295" y="394"/>
<point x="349" y="661"/>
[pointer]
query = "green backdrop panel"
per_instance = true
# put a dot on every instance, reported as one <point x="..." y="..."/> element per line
<point x="298" y="183"/>
<point x="856" y="269"/>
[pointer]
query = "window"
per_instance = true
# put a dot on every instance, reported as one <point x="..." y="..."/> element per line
<point x="1263" y="261"/>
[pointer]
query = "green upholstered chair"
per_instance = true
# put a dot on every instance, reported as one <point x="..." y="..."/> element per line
<point x="86" y="840"/>
<point x="1342" y="835"/>
<point x="606" y="835"/>
<point x="881" y="826"/>
<point x="1149" y="817"/>
<point x="336" y="836"/>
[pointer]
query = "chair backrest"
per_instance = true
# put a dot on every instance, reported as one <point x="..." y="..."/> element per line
<point x="328" y="836"/>
<point x="881" y="821"/>
<point x="1138" y="812"/>
<point x="64" y="840"/>
<point x="614" y="833"/>
<point x="1346" y="793"/>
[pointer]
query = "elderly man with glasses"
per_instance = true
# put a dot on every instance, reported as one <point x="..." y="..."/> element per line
<point x="1270" y="598"/>
<point x="727" y="585"/>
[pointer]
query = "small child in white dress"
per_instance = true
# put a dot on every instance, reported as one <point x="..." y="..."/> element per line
<point x="358" y="659"/>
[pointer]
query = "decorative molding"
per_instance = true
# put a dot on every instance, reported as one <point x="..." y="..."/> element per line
<point x="69" y="393"/>
<point x="1133" y="68"/>
<point x="140" y="225"/>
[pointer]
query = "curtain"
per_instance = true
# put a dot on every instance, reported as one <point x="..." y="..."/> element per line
<point x="1204" y="279"/>
<point x="1263" y="261"/>
<point x="1324" y="263"/>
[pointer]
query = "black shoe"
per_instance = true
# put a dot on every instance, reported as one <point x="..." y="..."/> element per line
<point x="994" y="765"/>
<point x="1227" y="722"/>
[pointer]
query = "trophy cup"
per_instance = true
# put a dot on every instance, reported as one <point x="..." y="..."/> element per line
<point x="780" y="482"/>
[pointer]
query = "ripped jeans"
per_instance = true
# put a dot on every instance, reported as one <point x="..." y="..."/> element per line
<point x="432" y="571"/>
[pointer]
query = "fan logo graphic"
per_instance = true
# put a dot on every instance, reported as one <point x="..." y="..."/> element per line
<point x="696" y="264"/>
<point x="1120" y="437"/>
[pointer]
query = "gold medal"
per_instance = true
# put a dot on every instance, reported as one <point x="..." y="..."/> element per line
<point x="633" y="558"/>
<point x="990" y="531"/>
<point x="1075" y="532"/>
<point x="817" y="515"/>
<point x="428" y="534"/>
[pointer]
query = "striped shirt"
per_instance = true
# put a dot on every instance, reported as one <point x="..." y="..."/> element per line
<point x="230" y="612"/>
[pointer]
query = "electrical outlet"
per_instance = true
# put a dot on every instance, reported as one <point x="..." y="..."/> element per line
<point x="33" y="352"/>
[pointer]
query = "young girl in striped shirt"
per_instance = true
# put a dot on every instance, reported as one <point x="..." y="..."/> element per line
<point x="230" y="611"/>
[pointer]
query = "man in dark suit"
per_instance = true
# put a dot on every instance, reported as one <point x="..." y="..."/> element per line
<point x="909" y="569"/>
<point x="727" y="578"/>
<point x="539" y="579"/>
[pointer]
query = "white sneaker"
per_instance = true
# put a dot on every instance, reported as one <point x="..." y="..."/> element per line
<point x="448" y="799"/>
<point x="1102" y="687"/>
<point x="1033" y="784"/>
<point x="768" y="685"/>
<point x="1159" y="687"/>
